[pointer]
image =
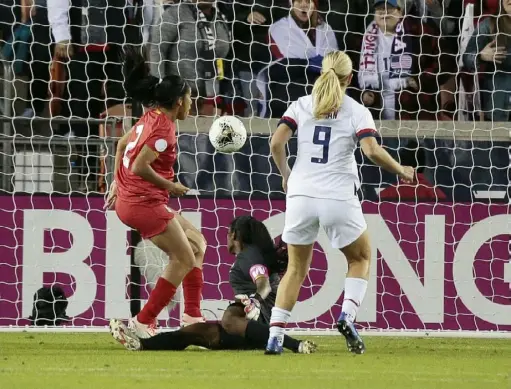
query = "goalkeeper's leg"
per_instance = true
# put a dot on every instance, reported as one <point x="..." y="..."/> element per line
<point x="256" y="334"/>
<point x="358" y="255"/>
<point x="207" y="335"/>
<point x="251" y="336"/>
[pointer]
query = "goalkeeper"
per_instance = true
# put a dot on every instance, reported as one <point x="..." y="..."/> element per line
<point x="254" y="277"/>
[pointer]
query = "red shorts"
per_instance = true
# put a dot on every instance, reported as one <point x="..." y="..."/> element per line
<point x="149" y="220"/>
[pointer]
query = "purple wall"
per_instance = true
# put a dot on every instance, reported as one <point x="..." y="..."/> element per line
<point x="475" y="236"/>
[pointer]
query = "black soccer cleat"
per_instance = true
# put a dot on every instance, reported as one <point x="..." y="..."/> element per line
<point x="354" y="342"/>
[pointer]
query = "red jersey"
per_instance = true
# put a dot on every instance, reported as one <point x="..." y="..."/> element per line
<point x="156" y="131"/>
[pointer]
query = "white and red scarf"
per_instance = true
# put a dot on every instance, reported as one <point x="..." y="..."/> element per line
<point x="401" y="59"/>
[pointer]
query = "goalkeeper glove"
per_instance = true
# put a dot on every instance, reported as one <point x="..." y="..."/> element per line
<point x="252" y="306"/>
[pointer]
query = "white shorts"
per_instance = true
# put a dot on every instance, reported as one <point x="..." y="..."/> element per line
<point x="342" y="220"/>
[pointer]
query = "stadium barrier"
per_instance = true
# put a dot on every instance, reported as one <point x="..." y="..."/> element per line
<point x="475" y="147"/>
<point x="439" y="268"/>
<point x="48" y="163"/>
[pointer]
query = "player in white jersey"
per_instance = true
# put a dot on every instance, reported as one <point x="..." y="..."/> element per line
<point x="322" y="191"/>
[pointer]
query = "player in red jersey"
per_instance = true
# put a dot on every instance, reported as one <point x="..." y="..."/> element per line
<point x="144" y="177"/>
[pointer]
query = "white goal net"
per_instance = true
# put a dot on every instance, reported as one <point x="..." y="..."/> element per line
<point x="436" y="85"/>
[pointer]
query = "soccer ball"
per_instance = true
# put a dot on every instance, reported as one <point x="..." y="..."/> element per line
<point x="227" y="134"/>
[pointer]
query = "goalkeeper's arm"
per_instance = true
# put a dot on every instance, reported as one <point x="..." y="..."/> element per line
<point x="254" y="301"/>
<point x="263" y="288"/>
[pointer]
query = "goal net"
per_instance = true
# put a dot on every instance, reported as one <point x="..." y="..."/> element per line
<point x="441" y="253"/>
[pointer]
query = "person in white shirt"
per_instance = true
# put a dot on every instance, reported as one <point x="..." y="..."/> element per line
<point x="302" y="34"/>
<point x="321" y="191"/>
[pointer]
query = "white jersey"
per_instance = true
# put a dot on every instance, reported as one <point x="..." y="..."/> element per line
<point x="325" y="165"/>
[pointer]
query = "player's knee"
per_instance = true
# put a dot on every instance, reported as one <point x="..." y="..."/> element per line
<point x="198" y="244"/>
<point x="188" y="262"/>
<point x="232" y="318"/>
<point x="185" y="258"/>
<point x="361" y="255"/>
<point x="364" y="254"/>
<point x="231" y="323"/>
<point x="227" y="322"/>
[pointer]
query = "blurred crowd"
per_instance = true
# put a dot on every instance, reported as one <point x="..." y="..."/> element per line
<point x="414" y="59"/>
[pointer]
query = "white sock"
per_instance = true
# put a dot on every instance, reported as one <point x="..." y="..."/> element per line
<point x="354" y="292"/>
<point x="278" y="321"/>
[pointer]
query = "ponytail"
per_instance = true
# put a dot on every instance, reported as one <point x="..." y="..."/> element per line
<point x="329" y="89"/>
<point x="148" y="90"/>
<point x="138" y="83"/>
<point x="327" y="94"/>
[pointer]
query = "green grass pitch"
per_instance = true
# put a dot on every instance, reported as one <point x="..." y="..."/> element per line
<point x="95" y="361"/>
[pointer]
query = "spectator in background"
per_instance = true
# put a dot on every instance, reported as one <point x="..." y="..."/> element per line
<point x="444" y="14"/>
<point x="41" y="53"/>
<point x="348" y="20"/>
<point x="400" y="66"/>
<point x="298" y="43"/>
<point x="489" y="53"/>
<point x="29" y="46"/>
<point x="192" y="41"/>
<point x="250" y="44"/>
<point x="303" y="34"/>
<point x="483" y="8"/>
<point x="90" y="34"/>
<point x="10" y="12"/>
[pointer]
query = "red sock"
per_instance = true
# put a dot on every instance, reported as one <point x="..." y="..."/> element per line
<point x="158" y="299"/>
<point x="192" y="288"/>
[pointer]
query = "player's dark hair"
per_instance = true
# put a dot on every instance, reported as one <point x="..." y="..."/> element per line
<point x="149" y="90"/>
<point x="249" y="231"/>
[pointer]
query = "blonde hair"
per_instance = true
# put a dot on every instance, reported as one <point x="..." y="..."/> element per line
<point x="330" y="88"/>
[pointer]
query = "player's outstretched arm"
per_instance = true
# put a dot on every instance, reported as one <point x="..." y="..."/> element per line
<point x="278" y="149"/>
<point x="380" y="157"/>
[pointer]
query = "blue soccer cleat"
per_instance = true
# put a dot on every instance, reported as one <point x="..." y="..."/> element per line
<point x="275" y="345"/>
<point x="353" y="340"/>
